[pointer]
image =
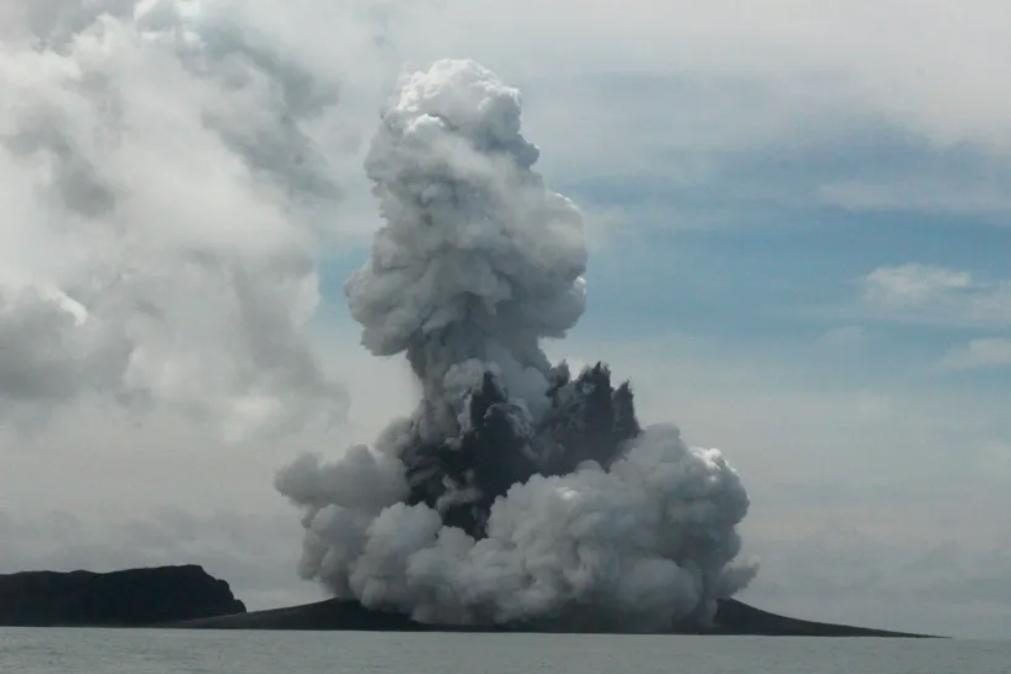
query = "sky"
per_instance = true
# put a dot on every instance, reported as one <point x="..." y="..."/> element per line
<point x="800" y="252"/>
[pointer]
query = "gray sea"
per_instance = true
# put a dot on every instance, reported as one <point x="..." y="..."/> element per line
<point x="97" y="651"/>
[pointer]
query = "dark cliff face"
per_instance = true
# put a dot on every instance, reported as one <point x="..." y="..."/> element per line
<point x="122" y="598"/>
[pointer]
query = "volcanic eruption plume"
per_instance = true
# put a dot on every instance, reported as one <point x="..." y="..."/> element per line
<point x="516" y="493"/>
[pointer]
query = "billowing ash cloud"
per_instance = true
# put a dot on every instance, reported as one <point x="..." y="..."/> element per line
<point x="516" y="493"/>
<point x="160" y="183"/>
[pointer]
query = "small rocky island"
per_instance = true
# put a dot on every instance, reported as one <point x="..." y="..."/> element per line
<point x="732" y="618"/>
<point x="131" y="598"/>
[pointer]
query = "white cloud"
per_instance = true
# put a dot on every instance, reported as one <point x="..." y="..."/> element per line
<point x="52" y="348"/>
<point x="936" y="295"/>
<point x="913" y="284"/>
<point x="165" y="173"/>
<point x="988" y="199"/>
<point x="844" y="337"/>
<point x="984" y="353"/>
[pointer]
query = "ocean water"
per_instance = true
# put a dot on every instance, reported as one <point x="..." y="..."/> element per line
<point x="98" y="651"/>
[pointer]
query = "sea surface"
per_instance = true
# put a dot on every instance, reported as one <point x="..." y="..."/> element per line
<point x="99" y="651"/>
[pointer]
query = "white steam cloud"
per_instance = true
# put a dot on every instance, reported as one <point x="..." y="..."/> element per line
<point x="160" y="185"/>
<point x="515" y="494"/>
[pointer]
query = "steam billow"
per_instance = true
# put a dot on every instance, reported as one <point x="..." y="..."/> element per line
<point x="518" y="493"/>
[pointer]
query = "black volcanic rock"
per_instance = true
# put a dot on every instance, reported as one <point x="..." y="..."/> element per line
<point x="330" y="614"/>
<point x="733" y="617"/>
<point x="122" y="598"/>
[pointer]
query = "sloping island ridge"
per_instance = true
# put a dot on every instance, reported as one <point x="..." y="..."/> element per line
<point x="732" y="618"/>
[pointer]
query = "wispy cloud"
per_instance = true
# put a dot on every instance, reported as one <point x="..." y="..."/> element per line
<point x="921" y="194"/>
<point x="985" y="353"/>
<point x="936" y="295"/>
<point x="844" y="337"/>
<point x="913" y="284"/>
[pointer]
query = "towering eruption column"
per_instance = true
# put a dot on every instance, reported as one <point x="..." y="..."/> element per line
<point x="515" y="493"/>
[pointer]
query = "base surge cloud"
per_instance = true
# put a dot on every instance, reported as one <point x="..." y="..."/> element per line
<point x="517" y="493"/>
